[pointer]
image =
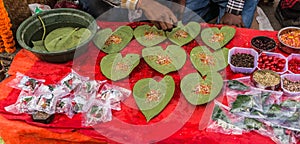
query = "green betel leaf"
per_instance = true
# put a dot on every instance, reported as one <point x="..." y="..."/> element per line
<point x="182" y="35"/>
<point x="200" y="91"/>
<point x="152" y="96"/>
<point x="165" y="61"/>
<point x="65" y="38"/>
<point x="217" y="38"/>
<point x="205" y="61"/>
<point x="39" y="46"/>
<point x="113" y="42"/>
<point x="115" y="67"/>
<point x="149" y="36"/>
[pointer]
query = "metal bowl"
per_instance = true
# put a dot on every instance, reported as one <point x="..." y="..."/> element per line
<point x="32" y="30"/>
<point x="285" y="47"/>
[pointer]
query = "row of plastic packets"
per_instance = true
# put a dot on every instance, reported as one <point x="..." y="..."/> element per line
<point x="250" y="102"/>
<point x="100" y="109"/>
<point x="26" y="83"/>
<point x="63" y="97"/>
<point x="223" y="121"/>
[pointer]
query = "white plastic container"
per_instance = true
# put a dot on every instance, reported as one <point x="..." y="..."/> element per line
<point x="236" y="50"/>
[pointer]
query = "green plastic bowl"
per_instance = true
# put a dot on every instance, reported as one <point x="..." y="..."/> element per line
<point x="32" y="30"/>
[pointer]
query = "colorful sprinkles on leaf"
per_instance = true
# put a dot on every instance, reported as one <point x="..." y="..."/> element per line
<point x="203" y="89"/>
<point x="181" y="34"/>
<point x="217" y="37"/>
<point x="113" y="39"/>
<point x="163" y="60"/>
<point x="153" y="95"/>
<point x="206" y="59"/>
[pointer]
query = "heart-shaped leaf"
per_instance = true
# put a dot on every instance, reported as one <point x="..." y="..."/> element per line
<point x="182" y="35"/>
<point x="113" y="42"/>
<point x="39" y="46"/>
<point x="114" y="67"/>
<point x="205" y="61"/>
<point x="165" y="61"/>
<point x="152" y="96"/>
<point x="217" y="38"/>
<point x="65" y="38"/>
<point x="149" y="36"/>
<point x="200" y="91"/>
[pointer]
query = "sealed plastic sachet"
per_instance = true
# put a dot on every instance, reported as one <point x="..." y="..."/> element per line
<point x="222" y="121"/>
<point x="72" y="81"/>
<point x="25" y="103"/>
<point x="90" y="86"/>
<point x="80" y="100"/>
<point x="113" y="95"/>
<point x="97" y="113"/>
<point x="26" y="83"/>
<point x="64" y="106"/>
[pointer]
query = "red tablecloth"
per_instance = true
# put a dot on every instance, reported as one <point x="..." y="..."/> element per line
<point x="179" y="122"/>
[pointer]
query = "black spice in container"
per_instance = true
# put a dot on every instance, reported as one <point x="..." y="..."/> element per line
<point x="242" y="60"/>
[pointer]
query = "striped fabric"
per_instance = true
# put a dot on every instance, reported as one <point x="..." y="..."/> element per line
<point x="128" y="4"/>
<point x="235" y="7"/>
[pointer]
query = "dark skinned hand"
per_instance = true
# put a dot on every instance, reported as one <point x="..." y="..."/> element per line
<point x="161" y="16"/>
<point x="231" y="19"/>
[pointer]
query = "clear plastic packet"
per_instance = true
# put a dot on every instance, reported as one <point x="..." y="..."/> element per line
<point x="239" y="84"/>
<point x="80" y="100"/>
<point x="47" y="103"/>
<point x="25" y="103"/>
<point x="72" y="81"/>
<point x="90" y="86"/>
<point x="222" y="121"/>
<point x="286" y="115"/>
<point x="64" y="105"/>
<point x="36" y="8"/>
<point x="253" y="103"/>
<point x="23" y="82"/>
<point x="113" y="95"/>
<point x="96" y="113"/>
<point x="283" y="136"/>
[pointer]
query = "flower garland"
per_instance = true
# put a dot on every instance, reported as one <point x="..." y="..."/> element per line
<point x="7" y="42"/>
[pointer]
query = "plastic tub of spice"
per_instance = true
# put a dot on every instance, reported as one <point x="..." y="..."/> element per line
<point x="294" y="63"/>
<point x="290" y="84"/>
<point x="242" y="60"/>
<point x="266" y="79"/>
<point x="272" y="61"/>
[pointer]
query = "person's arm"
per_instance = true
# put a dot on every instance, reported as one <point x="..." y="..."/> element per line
<point x="161" y="16"/>
<point x="128" y="4"/>
<point x="233" y="14"/>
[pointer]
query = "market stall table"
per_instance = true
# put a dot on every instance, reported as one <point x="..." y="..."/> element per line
<point x="179" y="122"/>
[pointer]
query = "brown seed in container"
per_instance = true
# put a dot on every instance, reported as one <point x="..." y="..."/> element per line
<point x="292" y="86"/>
<point x="242" y="60"/>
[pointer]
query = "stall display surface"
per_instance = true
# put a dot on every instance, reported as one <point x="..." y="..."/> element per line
<point x="179" y="122"/>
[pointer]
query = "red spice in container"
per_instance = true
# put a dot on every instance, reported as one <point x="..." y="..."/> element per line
<point x="272" y="61"/>
<point x="294" y="63"/>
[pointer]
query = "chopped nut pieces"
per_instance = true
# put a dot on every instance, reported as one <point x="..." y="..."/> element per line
<point x="292" y="86"/>
<point x="153" y="95"/>
<point x="181" y="34"/>
<point x="207" y="59"/>
<point x="113" y="40"/>
<point x="266" y="78"/>
<point x="203" y="89"/>
<point x="217" y="37"/>
<point x="163" y="60"/>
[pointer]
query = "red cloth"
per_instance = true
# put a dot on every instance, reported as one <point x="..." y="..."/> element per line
<point x="179" y="122"/>
<point x="288" y="3"/>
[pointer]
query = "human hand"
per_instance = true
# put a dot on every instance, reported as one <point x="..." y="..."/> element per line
<point x="231" y="19"/>
<point x="161" y="16"/>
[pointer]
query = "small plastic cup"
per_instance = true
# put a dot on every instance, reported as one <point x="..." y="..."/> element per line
<point x="245" y="70"/>
<point x="289" y="58"/>
<point x="277" y="55"/>
<point x="291" y="77"/>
